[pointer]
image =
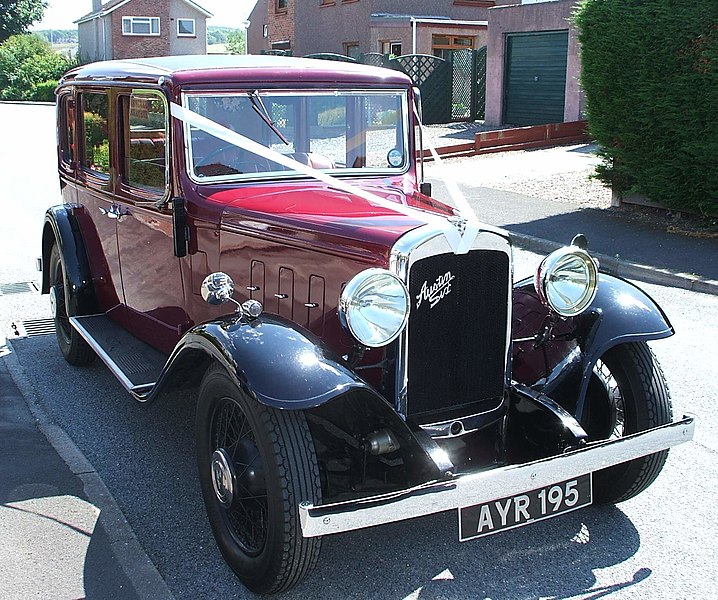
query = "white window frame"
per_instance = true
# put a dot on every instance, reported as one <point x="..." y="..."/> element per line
<point x="144" y="20"/>
<point x="194" y="28"/>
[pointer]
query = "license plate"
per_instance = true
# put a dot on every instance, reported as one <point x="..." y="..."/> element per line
<point x="514" y="511"/>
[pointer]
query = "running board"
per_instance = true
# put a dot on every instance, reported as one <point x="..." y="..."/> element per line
<point x="135" y="364"/>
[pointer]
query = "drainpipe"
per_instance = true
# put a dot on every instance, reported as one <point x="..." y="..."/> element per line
<point x="104" y="40"/>
<point x="413" y="35"/>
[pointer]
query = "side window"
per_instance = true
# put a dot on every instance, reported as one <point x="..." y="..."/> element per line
<point x="66" y="128"/>
<point x="95" y="114"/>
<point x="145" y="142"/>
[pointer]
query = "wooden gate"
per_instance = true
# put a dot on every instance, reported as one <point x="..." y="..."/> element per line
<point x="432" y="75"/>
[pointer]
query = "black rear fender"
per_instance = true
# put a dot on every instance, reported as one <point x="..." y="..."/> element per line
<point x="61" y="228"/>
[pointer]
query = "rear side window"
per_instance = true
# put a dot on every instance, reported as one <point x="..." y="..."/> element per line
<point x="66" y="128"/>
<point x="144" y="116"/>
<point x="95" y="118"/>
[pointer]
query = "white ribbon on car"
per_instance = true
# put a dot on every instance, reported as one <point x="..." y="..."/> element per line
<point x="460" y="237"/>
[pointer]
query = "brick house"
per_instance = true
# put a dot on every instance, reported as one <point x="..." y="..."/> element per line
<point x="123" y="29"/>
<point x="353" y="27"/>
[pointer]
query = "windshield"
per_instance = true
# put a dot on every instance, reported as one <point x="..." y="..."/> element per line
<point x="340" y="132"/>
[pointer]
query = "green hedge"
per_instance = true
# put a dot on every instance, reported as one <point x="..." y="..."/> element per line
<point x="650" y="72"/>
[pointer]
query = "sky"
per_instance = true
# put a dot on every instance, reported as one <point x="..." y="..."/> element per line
<point x="60" y="14"/>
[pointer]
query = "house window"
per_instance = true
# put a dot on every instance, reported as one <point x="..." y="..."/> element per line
<point x="185" y="28"/>
<point x="351" y="49"/>
<point x="391" y="47"/>
<point x="444" y="45"/>
<point x="140" y="25"/>
<point x="281" y="5"/>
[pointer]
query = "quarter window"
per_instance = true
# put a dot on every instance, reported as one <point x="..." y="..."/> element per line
<point x="140" y="25"/>
<point x="185" y="28"/>
<point x="95" y="112"/>
<point x="66" y="134"/>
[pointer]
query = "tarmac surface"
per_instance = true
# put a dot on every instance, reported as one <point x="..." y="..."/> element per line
<point x="46" y="482"/>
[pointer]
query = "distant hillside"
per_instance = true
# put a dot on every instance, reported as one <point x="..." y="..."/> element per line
<point x="218" y="35"/>
<point x="58" y="36"/>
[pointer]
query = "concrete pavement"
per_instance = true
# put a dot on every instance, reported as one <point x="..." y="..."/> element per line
<point x="63" y="535"/>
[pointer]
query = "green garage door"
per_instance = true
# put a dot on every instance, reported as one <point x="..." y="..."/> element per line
<point x="535" y="79"/>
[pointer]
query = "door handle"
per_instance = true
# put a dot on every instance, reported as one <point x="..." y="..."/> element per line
<point x="114" y="212"/>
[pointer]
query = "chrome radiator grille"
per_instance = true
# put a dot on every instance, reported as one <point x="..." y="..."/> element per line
<point x="457" y="332"/>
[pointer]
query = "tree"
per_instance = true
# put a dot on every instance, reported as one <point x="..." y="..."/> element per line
<point x="17" y="15"/>
<point x="29" y="67"/>
<point x="236" y="43"/>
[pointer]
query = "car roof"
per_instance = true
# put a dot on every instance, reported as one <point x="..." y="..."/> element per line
<point x="198" y="69"/>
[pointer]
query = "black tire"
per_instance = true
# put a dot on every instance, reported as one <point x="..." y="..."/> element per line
<point x="273" y="469"/>
<point x="628" y="393"/>
<point x="73" y="347"/>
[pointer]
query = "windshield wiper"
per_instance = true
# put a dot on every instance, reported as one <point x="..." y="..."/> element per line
<point x="261" y="110"/>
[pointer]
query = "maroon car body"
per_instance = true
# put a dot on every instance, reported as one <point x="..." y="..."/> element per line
<point x="373" y="369"/>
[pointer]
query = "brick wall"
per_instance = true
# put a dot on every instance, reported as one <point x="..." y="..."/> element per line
<point x="282" y="23"/>
<point x="135" y="46"/>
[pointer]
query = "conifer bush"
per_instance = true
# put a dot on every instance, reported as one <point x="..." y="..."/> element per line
<point x="650" y="73"/>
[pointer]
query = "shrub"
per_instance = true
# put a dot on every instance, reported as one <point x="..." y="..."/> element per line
<point x="45" y="91"/>
<point x="650" y="72"/>
<point x="26" y="62"/>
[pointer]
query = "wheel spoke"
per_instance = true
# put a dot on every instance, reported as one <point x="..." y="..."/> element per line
<point x="248" y="513"/>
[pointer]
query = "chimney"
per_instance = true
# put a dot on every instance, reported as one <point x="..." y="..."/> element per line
<point x="96" y="6"/>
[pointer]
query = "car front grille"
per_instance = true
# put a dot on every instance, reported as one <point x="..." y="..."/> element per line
<point x="457" y="333"/>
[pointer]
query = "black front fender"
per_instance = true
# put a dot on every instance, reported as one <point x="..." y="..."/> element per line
<point x="562" y="367"/>
<point x="272" y="359"/>
<point x="61" y="228"/>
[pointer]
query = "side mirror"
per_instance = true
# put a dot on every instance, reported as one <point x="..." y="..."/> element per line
<point x="217" y="288"/>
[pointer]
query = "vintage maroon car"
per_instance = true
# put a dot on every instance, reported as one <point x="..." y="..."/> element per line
<point x="375" y="361"/>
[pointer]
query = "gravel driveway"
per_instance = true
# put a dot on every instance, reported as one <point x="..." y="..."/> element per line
<point x="560" y="173"/>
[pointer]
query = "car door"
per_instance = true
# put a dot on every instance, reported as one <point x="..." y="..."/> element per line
<point x="151" y="273"/>
<point x="95" y="209"/>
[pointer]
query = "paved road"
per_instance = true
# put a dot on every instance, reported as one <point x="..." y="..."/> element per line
<point x="659" y="545"/>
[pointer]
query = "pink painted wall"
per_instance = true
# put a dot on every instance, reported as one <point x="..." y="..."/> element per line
<point x="540" y="16"/>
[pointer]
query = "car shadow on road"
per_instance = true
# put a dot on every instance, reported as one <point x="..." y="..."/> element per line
<point x="423" y="559"/>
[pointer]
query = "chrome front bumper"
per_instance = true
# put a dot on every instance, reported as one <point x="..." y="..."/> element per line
<point x="485" y="486"/>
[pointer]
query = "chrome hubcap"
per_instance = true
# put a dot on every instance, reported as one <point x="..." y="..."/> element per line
<point x="223" y="477"/>
<point x="53" y="301"/>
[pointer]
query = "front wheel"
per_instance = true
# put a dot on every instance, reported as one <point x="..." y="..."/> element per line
<point x="627" y="394"/>
<point x="256" y="464"/>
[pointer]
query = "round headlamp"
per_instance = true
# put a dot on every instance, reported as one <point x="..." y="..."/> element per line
<point x="374" y="307"/>
<point x="566" y="281"/>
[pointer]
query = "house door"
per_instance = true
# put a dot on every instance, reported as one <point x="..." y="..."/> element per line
<point x="535" y="78"/>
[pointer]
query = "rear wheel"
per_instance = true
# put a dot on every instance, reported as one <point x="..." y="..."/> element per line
<point x="627" y="394"/>
<point x="75" y="349"/>
<point x="256" y="464"/>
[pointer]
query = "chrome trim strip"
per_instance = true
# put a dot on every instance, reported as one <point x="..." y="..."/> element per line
<point x="478" y="488"/>
<point x="426" y="241"/>
<point x="138" y="391"/>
